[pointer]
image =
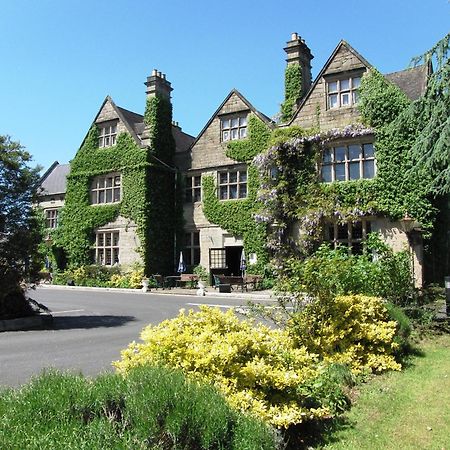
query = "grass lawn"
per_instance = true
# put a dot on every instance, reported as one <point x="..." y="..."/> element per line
<point x="407" y="410"/>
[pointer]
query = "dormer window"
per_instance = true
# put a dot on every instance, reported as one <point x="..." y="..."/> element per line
<point x="107" y="135"/>
<point x="106" y="189"/>
<point x="343" y="92"/>
<point x="233" y="128"/>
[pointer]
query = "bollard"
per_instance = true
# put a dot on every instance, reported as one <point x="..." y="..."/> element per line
<point x="447" y="294"/>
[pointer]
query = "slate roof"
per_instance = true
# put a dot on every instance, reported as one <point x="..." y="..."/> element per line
<point x="412" y="82"/>
<point x="54" y="180"/>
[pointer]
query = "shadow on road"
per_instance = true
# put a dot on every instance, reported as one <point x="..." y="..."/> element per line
<point x="70" y="322"/>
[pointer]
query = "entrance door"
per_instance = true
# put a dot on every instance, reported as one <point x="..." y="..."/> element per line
<point x="233" y="258"/>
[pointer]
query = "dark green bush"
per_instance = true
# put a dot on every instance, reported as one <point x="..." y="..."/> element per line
<point x="151" y="408"/>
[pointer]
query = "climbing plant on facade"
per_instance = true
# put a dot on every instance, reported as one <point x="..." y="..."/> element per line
<point x="237" y="216"/>
<point x="292" y="91"/>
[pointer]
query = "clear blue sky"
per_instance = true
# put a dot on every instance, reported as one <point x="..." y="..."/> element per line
<point x="60" y="58"/>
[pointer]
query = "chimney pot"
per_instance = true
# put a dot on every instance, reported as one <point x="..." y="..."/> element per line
<point x="155" y="73"/>
<point x="294" y="36"/>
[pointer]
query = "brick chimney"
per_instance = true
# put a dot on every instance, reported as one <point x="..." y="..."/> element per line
<point x="299" y="53"/>
<point x="158" y="85"/>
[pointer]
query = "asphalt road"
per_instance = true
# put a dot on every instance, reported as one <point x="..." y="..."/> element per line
<point x="90" y="329"/>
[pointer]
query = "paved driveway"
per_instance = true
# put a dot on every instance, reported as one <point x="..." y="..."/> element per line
<point x="90" y="328"/>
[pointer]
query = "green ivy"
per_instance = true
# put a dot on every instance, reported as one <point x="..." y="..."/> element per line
<point x="148" y="187"/>
<point x="292" y="90"/>
<point x="237" y="216"/>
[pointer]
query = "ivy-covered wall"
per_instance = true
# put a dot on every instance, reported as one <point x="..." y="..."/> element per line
<point x="237" y="216"/>
<point x="148" y="190"/>
<point x="292" y="90"/>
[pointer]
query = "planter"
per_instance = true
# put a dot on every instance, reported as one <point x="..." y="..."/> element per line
<point x="145" y="285"/>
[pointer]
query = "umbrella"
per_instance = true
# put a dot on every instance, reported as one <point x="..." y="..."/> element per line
<point x="243" y="264"/>
<point x="181" y="264"/>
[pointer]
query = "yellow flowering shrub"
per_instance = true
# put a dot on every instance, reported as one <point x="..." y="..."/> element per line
<point x="350" y="329"/>
<point x="257" y="368"/>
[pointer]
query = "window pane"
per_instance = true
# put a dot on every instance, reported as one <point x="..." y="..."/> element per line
<point x="223" y="177"/>
<point x="100" y="256"/>
<point x="100" y="240"/>
<point x="342" y="231"/>
<point x="197" y="180"/>
<point x="356" y="82"/>
<point x="333" y="100"/>
<point x="115" y="256"/>
<point x="242" y="190"/>
<point x="354" y="171"/>
<point x="233" y="191"/>
<point x="94" y="197"/>
<point x="235" y="122"/>
<point x="115" y="239"/>
<point x="369" y="169"/>
<point x="101" y="196"/>
<point x="197" y="194"/>
<point x="340" y="172"/>
<point x="242" y="132"/>
<point x="116" y="181"/>
<point x="109" y="196"/>
<point x="355" y="97"/>
<point x="232" y="177"/>
<point x="345" y="99"/>
<point x="234" y="134"/>
<point x="332" y="87"/>
<point x="108" y="239"/>
<point x="226" y="123"/>
<point x="345" y="85"/>
<point x="326" y="173"/>
<point x="117" y="194"/>
<point x="196" y="260"/>
<point x="106" y="141"/>
<point x="357" y="230"/>
<point x="326" y="157"/>
<point x="354" y="151"/>
<point x="108" y="257"/>
<point x="242" y="175"/>
<point x="368" y="150"/>
<point x="226" y="136"/>
<point x="339" y="153"/>
<point x="223" y="192"/>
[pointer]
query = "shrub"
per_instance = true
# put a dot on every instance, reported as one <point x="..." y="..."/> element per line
<point x="354" y="330"/>
<point x="257" y="368"/>
<point x="329" y="272"/>
<point x="151" y="408"/>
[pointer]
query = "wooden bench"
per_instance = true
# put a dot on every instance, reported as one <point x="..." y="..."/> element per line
<point x="232" y="281"/>
<point x="188" y="279"/>
<point x="253" y="280"/>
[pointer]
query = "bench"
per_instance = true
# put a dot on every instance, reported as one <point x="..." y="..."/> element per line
<point x="232" y="281"/>
<point x="254" y="280"/>
<point x="188" y="279"/>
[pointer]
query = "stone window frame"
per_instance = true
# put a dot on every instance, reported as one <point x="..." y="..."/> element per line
<point x="365" y="163"/>
<point x="351" y="234"/>
<point x="340" y="87"/>
<point x="191" y="251"/>
<point x="107" y="134"/>
<point x="193" y="192"/>
<point x="51" y="217"/>
<point x="233" y="126"/>
<point x="232" y="184"/>
<point x="104" y="192"/>
<point x="106" y="247"/>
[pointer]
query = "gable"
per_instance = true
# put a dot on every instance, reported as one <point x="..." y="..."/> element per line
<point x="208" y="150"/>
<point x="314" y="111"/>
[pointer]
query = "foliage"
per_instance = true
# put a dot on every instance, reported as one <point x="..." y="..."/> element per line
<point x="151" y="408"/>
<point x="329" y="272"/>
<point x="148" y="190"/>
<point x="348" y="329"/>
<point x="257" y="368"/>
<point x="237" y="216"/>
<point x="201" y="272"/>
<point x="19" y="230"/>
<point x="292" y="91"/>
<point x="101" y="276"/>
<point x="431" y="144"/>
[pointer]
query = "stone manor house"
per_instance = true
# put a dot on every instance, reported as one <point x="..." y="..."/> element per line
<point x="334" y="91"/>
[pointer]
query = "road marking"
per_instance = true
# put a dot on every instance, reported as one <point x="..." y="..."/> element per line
<point x="212" y="306"/>
<point x="68" y="311"/>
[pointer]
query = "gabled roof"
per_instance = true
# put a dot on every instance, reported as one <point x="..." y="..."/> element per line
<point x="54" y="180"/>
<point x="260" y="115"/>
<point x="341" y="44"/>
<point x="412" y="82"/>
